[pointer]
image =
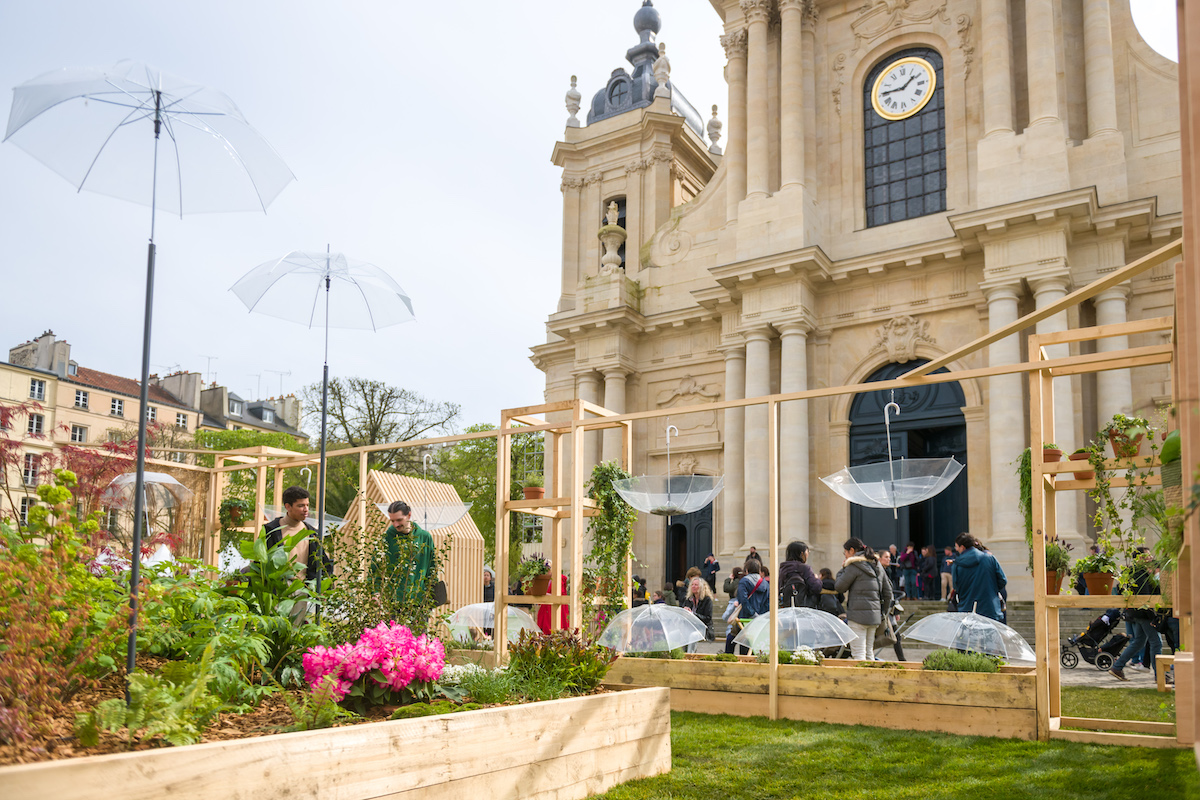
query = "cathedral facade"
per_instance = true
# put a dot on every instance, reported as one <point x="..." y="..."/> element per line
<point x="891" y="180"/>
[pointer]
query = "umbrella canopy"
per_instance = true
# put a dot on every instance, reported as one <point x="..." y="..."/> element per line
<point x="972" y="632"/>
<point x="361" y="295"/>
<point x="896" y="483"/>
<point x="94" y="127"/>
<point x="797" y="627"/>
<point x="652" y="628"/>
<point x="483" y="615"/>
<point x="668" y="496"/>
<point x="162" y="491"/>
<point x="433" y="516"/>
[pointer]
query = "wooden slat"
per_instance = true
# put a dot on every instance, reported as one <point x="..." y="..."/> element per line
<point x="1162" y="662"/>
<point x="1115" y="278"/>
<point x="1103" y="601"/>
<point x="1119" y="725"/>
<point x="1107" y="331"/>
<point x="1122" y="739"/>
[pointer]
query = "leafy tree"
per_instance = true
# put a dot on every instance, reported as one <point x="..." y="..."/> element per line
<point x="14" y="421"/>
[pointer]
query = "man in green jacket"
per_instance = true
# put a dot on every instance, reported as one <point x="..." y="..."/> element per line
<point x="406" y="541"/>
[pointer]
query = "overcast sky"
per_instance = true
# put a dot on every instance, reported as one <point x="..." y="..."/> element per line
<point x="420" y="136"/>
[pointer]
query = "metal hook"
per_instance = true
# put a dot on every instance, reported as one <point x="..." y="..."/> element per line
<point x="308" y="477"/>
<point x="427" y="459"/>
<point x="887" y="425"/>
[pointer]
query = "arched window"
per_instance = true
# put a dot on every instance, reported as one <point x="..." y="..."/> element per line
<point x="904" y="149"/>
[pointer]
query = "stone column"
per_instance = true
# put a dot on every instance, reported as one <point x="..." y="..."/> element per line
<point x="1114" y="391"/>
<point x="758" y="383"/>
<point x="793" y="434"/>
<point x="733" y="532"/>
<point x="1042" y="61"/>
<point x="791" y="68"/>
<point x="1006" y="429"/>
<point x="1098" y="70"/>
<point x="1045" y="292"/>
<point x="735" y="148"/>
<point x="997" y="68"/>
<point x="571" y="188"/>
<point x="757" y="134"/>
<point x="588" y="388"/>
<point x="614" y="400"/>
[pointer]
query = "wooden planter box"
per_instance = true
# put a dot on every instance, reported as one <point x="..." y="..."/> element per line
<point x="909" y="697"/>
<point x="559" y="749"/>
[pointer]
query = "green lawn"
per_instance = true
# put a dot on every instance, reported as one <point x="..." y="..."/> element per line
<point x="725" y="758"/>
<point x="1148" y="705"/>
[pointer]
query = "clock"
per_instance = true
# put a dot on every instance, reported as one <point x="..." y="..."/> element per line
<point x="903" y="88"/>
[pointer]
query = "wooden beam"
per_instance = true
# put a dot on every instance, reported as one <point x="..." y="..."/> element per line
<point x="1122" y="739"/>
<point x="1131" y="270"/>
<point x="1107" y="331"/>
<point x="1105" y="601"/>
<point x="1119" y="725"/>
<point x="773" y="533"/>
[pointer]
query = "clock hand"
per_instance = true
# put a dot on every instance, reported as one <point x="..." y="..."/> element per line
<point x="901" y="88"/>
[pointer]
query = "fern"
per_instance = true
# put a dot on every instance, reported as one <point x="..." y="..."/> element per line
<point x="317" y="709"/>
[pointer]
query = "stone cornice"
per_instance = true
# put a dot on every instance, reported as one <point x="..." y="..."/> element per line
<point x="546" y="355"/>
<point x="622" y="319"/>
<point x="913" y="256"/>
<point x="1077" y="204"/>
<point x="605" y="137"/>
<point x="809" y="263"/>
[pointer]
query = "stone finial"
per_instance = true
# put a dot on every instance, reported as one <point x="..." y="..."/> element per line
<point x="613" y="216"/>
<point x="714" y="132"/>
<point x="612" y="236"/>
<point x="573" y="98"/>
<point x="662" y="72"/>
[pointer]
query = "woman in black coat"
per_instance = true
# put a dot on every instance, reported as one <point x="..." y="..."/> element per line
<point x="699" y="601"/>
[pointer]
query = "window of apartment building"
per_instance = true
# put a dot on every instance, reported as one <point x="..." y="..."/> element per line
<point x="235" y="408"/>
<point x="112" y="520"/>
<point x="268" y="415"/>
<point x="26" y="504"/>
<point x="115" y="436"/>
<point x="37" y="389"/>
<point x="81" y="398"/>
<point x="30" y="473"/>
<point x="72" y="369"/>
<point x="180" y="420"/>
<point x="36" y="426"/>
<point x="117" y="408"/>
<point x="78" y="434"/>
<point x="178" y="458"/>
<point x="151" y="414"/>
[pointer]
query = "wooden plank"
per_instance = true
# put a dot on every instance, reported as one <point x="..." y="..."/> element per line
<point x="1121" y="739"/>
<point x="524" y="506"/>
<point x="773" y="551"/>
<point x="1120" y="725"/>
<point x="1104" y="601"/>
<point x="1107" y="331"/>
<point x="1115" y="278"/>
<point x="1130" y="363"/>
<point x="1163" y="662"/>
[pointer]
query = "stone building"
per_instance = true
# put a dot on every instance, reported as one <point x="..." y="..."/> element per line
<point x="898" y="178"/>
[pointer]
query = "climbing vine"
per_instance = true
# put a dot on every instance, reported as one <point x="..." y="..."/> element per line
<point x="612" y="538"/>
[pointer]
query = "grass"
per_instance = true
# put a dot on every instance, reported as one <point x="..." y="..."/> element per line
<point x="755" y="758"/>
<point x="1147" y="705"/>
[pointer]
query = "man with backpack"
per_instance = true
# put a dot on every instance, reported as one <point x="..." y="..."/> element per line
<point x="798" y="585"/>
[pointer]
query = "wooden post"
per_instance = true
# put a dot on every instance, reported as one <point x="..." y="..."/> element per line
<point x="503" y="468"/>
<point x="362" y="490"/>
<point x="554" y="489"/>
<point x="773" y="532"/>
<point x="277" y="490"/>
<point x="212" y="530"/>
<point x="576" y="486"/>
<point x="627" y="449"/>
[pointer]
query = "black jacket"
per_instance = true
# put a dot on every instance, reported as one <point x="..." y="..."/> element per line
<point x="273" y="531"/>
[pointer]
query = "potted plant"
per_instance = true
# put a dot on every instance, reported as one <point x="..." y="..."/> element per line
<point x="1051" y="453"/>
<point x="234" y="512"/>
<point x="1098" y="569"/>
<point x="534" y="487"/>
<point x="1082" y="454"/>
<point x="534" y="574"/>
<point x="1058" y="564"/>
<point x="1125" y="434"/>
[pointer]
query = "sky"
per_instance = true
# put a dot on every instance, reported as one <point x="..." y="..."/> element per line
<point x="420" y="135"/>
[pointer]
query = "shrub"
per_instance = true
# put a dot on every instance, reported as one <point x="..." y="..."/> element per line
<point x="490" y="687"/>
<point x="956" y="661"/>
<point x="561" y="657"/>
<point x="317" y="709"/>
<point x="387" y="666"/>
<point x="724" y="657"/>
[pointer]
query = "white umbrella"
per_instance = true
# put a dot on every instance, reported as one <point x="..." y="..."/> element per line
<point x="483" y="615"/>
<point x="669" y="495"/>
<point x="972" y="632"/>
<point x="652" y="628"/>
<point x="161" y="491"/>
<point x="798" y="627"/>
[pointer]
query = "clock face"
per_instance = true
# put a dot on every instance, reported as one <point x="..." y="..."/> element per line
<point x="903" y="88"/>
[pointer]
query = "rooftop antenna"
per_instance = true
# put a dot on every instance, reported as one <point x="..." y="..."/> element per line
<point x="280" y="373"/>
<point x="212" y="376"/>
<point x="258" y="391"/>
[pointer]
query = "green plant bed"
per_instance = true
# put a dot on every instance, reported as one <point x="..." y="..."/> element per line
<point x="432" y="709"/>
<point x="787" y="759"/>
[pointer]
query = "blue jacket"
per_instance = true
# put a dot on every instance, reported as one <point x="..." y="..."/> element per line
<point x="978" y="579"/>
<point x="753" y="602"/>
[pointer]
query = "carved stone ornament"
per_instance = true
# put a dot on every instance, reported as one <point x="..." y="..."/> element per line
<point x="899" y="338"/>
<point x="714" y="133"/>
<point x="839" y="66"/>
<point x="571" y="183"/>
<point x="879" y="17"/>
<point x="964" y="43"/>
<point x="573" y="99"/>
<point x="735" y="44"/>
<point x="690" y="392"/>
<point x="687" y="464"/>
<point x="662" y="72"/>
<point x="612" y="236"/>
<point x="757" y="10"/>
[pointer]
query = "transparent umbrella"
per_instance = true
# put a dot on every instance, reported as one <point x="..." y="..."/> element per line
<point x="100" y="127"/>
<point x="652" y="628"/>
<point x="483" y="615"/>
<point x="161" y="491"/>
<point x="669" y="495"/>
<point x="893" y="484"/>
<point x="297" y="287"/>
<point x="432" y="515"/>
<point x="797" y="627"/>
<point x="972" y="632"/>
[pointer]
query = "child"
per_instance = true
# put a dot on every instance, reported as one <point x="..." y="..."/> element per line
<point x="829" y="602"/>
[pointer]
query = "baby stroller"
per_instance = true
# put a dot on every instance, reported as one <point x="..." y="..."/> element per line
<point x="1091" y="643"/>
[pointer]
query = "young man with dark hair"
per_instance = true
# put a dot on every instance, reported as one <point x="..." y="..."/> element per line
<point x="309" y="551"/>
<point x="411" y="583"/>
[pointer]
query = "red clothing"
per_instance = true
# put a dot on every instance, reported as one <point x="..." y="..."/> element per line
<point x="543" y="612"/>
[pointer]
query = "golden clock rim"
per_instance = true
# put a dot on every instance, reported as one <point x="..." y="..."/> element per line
<point x="888" y="68"/>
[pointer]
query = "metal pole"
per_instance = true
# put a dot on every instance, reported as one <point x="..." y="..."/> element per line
<point x="324" y="414"/>
<point x="139" y="496"/>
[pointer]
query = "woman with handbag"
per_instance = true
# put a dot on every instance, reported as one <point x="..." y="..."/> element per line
<point x="868" y="595"/>
<point x="753" y="598"/>
<point x="699" y="601"/>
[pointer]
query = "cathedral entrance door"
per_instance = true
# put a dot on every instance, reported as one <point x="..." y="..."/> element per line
<point x="930" y="425"/>
<point x="688" y="542"/>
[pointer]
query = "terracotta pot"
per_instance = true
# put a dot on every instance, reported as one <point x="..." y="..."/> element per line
<point x="1081" y="476"/>
<point x="540" y="585"/>
<point x="1124" y="446"/>
<point x="237" y="516"/>
<point x="1053" y="582"/>
<point x="534" y="492"/>
<point x="1051" y="455"/>
<point x="1098" y="582"/>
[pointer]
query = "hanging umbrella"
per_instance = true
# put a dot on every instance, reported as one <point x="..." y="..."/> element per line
<point x="669" y="495"/>
<point x="297" y="288"/>
<point x="893" y="484"/>
<point x="161" y="491"/>
<point x="435" y="515"/>
<point x="797" y="627"/>
<point x="652" y="628"/>
<point x="972" y="632"/>
<point x="95" y="126"/>
<point x="483" y="615"/>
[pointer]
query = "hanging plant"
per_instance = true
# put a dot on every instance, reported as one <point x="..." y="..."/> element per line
<point x="612" y="535"/>
<point x="1025" y="479"/>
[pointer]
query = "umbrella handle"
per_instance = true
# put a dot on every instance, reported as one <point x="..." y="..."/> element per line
<point x="887" y="424"/>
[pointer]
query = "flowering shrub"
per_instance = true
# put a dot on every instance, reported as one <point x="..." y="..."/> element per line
<point x="387" y="666"/>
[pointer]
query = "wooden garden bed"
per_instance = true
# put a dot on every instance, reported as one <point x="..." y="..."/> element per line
<point x="907" y="697"/>
<point x="561" y="749"/>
